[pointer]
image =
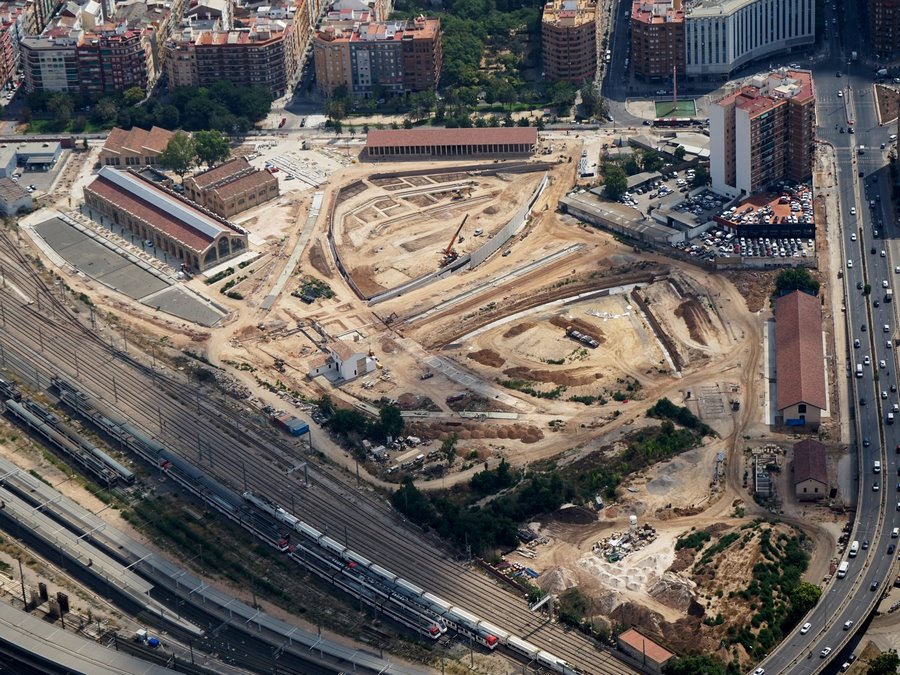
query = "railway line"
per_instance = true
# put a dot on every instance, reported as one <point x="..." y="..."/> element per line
<point x="40" y="337"/>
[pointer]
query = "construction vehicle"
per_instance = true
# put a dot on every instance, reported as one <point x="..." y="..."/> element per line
<point x="450" y="253"/>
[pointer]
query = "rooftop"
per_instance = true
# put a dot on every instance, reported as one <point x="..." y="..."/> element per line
<point x="569" y="12"/>
<point x="223" y="171"/>
<point x="11" y="191"/>
<point x="386" y="138"/>
<point x="171" y="215"/>
<point x="656" y="12"/>
<point x="799" y="355"/>
<point x="769" y="91"/>
<point x="809" y="462"/>
<point x="645" y="645"/>
<point x="389" y="31"/>
<point x="137" y="140"/>
<point x="250" y="181"/>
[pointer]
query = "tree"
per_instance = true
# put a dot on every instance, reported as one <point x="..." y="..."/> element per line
<point x="615" y="183"/>
<point x="168" y="117"/>
<point x="885" y="663"/>
<point x="652" y="160"/>
<point x="211" y="147"/>
<point x="132" y="96"/>
<point x="805" y="597"/>
<point x="798" y="279"/>
<point x="701" y="177"/>
<point x="61" y="106"/>
<point x="694" y="664"/>
<point x="679" y="153"/>
<point x="104" y="111"/>
<point x="391" y="421"/>
<point x="179" y="154"/>
<point x="448" y="449"/>
<point x="346" y="422"/>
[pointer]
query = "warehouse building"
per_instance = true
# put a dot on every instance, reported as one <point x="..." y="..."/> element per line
<point x="451" y="143"/>
<point x="13" y="198"/>
<point x="188" y="233"/>
<point x="231" y="187"/>
<point x="810" y="470"/>
<point x="650" y="654"/>
<point x="799" y="360"/>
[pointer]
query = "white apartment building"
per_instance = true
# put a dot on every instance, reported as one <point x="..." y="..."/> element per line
<point x="722" y="35"/>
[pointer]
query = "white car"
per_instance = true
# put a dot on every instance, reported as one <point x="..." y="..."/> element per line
<point x="850" y="263"/>
<point x="852" y="210"/>
<point x="867" y="360"/>
<point x="825" y="652"/>
<point x="882" y="364"/>
<point x="804" y="629"/>
<point x="884" y="283"/>
<point x="853" y="237"/>
<point x="840" y="94"/>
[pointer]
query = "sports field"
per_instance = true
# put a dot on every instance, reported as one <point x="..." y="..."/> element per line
<point x="679" y="109"/>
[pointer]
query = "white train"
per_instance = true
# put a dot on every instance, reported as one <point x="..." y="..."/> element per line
<point x="459" y="619"/>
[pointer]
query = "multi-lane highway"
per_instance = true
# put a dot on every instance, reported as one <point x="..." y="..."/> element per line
<point x="867" y="238"/>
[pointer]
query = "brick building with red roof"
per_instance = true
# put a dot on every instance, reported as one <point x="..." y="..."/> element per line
<point x="810" y="470"/>
<point x="801" y="395"/>
<point x="197" y="238"/>
<point x="451" y="143"/>
<point x="231" y="187"/>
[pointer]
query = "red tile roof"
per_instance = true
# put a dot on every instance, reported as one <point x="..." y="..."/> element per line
<point x="645" y="645"/>
<point x="799" y="357"/>
<point x="228" y="169"/>
<point x="137" y="139"/>
<point x="150" y="214"/>
<point x="390" y="138"/>
<point x="809" y="462"/>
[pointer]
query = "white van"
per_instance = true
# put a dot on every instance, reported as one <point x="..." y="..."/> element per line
<point x="895" y="533"/>
<point x="854" y="549"/>
<point x="842" y="569"/>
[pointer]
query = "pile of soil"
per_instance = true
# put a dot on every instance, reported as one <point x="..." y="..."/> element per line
<point x="467" y="431"/>
<point x="487" y="357"/>
<point x="695" y="317"/>
<point x="317" y="260"/>
<point x="684" y="558"/>
<point x="408" y="401"/>
<point x="573" y="515"/>
<point x="755" y="287"/>
<point x="581" y="326"/>
<point x="388" y="346"/>
<point x="518" y="329"/>
<point x="564" y="378"/>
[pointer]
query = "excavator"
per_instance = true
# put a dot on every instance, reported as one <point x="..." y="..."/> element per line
<point x="450" y="253"/>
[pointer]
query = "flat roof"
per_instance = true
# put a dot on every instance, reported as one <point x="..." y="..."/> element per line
<point x="170" y="215"/>
<point x="11" y="191"/>
<point x="388" y="138"/>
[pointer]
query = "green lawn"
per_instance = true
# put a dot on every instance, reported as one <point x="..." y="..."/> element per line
<point x="679" y="109"/>
<point x="48" y="127"/>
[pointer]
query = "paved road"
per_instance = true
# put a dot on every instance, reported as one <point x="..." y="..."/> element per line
<point x="851" y="599"/>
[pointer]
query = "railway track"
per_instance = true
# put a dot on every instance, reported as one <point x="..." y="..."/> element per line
<point x="44" y="338"/>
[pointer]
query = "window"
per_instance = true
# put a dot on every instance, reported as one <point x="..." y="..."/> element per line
<point x="801" y="408"/>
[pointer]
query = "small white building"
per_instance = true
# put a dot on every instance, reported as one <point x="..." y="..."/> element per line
<point x="13" y="198"/>
<point x="343" y="361"/>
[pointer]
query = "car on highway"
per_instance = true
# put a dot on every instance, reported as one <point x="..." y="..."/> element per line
<point x="875" y="487"/>
<point x="863" y="328"/>
<point x="804" y="629"/>
<point x="872" y="250"/>
<point x="884" y="394"/>
<point x="848" y="625"/>
<point x="825" y="652"/>
<point x="852" y="210"/>
<point x="876" y="304"/>
<point x="850" y="264"/>
<point x="862" y="400"/>
<point x="874" y="586"/>
<point x="891" y="549"/>
<point x="759" y="671"/>
<point x="882" y="364"/>
<point x="853" y="236"/>
<point x="888" y="344"/>
<point x="893" y="387"/>
<point x="856" y="343"/>
<point x="865" y="544"/>
<point x="866" y="442"/>
<point x="840" y="94"/>
<point x="884" y="283"/>
<point x="851" y="130"/>
<point x="867" y="361"/>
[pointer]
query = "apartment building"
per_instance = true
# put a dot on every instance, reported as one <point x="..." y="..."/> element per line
<point x="762" y="133"/>
<point x="159" y="17"/>
<point x="396" y="57"/>
<point x="12" y="30"/>
<point x="569" y="40"/>
<point x="722" y="35"/>
<point x="265" y="51"/>
<point x="884" y="26"/>
<point x="657" y="39"/>
<point x="114" y="59"/>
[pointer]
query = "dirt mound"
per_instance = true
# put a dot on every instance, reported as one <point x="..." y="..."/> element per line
<point x="317" y="260"/>
<point x="695" y="317"/>
<point x="408" y="401"/>
<point x="684" y="558"/>
<point x="564" y="378"/>
<point x="388" y="346"/>
<point x="754" y="286"/>
<point x="487" y="357"/>
<point x="672" y="591"/>
<point x="518" y="329"/>
<point x="467" y="431"/>
<point x="581" y="326"/>
<point x="555" y="580"/>
<point x="491" y="210"/>
<point x="573" y="515"/>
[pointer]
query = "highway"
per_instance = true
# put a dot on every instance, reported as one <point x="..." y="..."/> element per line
<point x="226" y="442"/>
<point x="866" y="233"/>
